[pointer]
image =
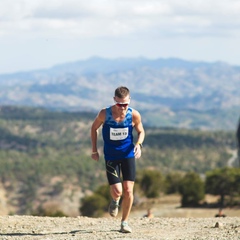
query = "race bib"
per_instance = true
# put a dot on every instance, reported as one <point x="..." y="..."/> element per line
<point x="118" y="133"/>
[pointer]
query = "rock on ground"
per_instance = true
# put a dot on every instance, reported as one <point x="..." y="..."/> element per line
<point x="48" y="228"/>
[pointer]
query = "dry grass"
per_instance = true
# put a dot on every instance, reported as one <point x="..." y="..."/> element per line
<point x="169" y="206"/>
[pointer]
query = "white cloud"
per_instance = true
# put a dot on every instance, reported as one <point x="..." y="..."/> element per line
<point x="118" y="27"/>
<point x="114" y="17"/>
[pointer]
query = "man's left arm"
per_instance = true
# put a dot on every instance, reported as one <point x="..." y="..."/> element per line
<point x="141" y="133"/>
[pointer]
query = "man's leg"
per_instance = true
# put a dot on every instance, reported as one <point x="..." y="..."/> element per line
<point x="129" y="174"/>
<point x="127" y="199"/>
<point x="113" y="176"/>
<point x="126" y="205"/>
<point x="116" y="191"/>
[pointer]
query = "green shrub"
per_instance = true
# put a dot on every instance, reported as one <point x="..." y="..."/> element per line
<point x="152" y="183"/>
<point x="172" y="182"/>
<point x="191" y="189"/>
<point x="93" y="206"/>
<point x="223" y="182"/>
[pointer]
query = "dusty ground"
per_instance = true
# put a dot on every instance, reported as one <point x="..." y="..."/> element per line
<point x="170" y="222"/>
<point x="29" y="227"/>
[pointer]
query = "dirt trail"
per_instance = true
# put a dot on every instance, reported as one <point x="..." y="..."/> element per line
<point x="231" y="160"/>
<point x="29" y="227"/>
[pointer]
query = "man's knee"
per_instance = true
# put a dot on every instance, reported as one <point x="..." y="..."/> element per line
<point x="116" y="190"/>
<point x="128" y="192"/>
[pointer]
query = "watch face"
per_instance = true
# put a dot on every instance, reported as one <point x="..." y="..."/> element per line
<point x="140" y="145"/>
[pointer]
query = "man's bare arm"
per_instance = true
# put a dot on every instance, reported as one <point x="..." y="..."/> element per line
<point x="137" y="123"/>
<point x="94" y="133"/>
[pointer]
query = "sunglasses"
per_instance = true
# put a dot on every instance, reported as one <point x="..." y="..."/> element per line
<point x="119" y="104"/>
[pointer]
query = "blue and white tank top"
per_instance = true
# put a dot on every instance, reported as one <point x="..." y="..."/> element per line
<point x="117" y="136"/>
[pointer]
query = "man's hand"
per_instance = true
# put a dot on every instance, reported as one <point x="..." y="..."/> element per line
<point x="95" y="156"/>
<point x="137" y="151"/>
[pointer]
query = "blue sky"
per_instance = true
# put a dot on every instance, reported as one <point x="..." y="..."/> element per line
<point x="36" y="34"/>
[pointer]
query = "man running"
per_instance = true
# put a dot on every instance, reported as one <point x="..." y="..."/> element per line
<point x="120" y="152"/>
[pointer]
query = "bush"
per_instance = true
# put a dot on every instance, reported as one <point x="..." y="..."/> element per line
<point x="152" y="183"/>
<point x="172" y="182"/>
<point x="93" y="206"/>
<point x="191" y="189"/>
<point x="50" y="210"/>
<point x="223" y="182"/>
<point x="104" y="191"/>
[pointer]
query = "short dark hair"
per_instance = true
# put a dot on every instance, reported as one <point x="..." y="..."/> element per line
<point x="122" y="92"/>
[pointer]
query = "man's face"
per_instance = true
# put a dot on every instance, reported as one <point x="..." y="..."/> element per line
<point x="122" y="103"/>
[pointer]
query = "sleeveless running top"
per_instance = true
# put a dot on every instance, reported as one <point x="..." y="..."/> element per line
<point x="117" y="136"/>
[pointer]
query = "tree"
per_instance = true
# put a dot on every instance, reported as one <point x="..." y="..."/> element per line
<point x="223" y="182"/>
<point x="172" y="182"/>
<point x="191" y="189"/>
<point x="152" y="183"/>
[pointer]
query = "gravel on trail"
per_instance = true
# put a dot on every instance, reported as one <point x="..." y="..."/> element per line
<point x="69" y="228"/>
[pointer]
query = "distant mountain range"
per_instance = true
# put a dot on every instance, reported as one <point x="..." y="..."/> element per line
<point x="168" y="92"/>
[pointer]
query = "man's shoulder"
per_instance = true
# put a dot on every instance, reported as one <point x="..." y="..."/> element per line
<point x="135" y="112"/>
<point x="102" y="114"/>
<point x="136" y="117"/>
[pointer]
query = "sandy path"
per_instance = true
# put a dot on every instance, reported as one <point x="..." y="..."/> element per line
<point x="29" y="227"/>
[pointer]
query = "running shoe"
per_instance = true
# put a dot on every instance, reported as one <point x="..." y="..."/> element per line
<point x="125" y="228"/>
<point x="113" y="208"/>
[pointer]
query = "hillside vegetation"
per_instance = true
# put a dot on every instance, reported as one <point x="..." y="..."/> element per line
<point x="45" y="154"/>
<point x="168" y="92"/>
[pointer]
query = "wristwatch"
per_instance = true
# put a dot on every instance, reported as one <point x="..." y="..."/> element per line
<point x="140" y="144"/>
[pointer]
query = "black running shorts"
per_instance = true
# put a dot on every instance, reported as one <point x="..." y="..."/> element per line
<point x="125" y="166"/>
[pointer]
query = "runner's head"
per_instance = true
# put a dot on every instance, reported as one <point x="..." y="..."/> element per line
<point x="122" y="92"/>
<point x="122" y="97"/>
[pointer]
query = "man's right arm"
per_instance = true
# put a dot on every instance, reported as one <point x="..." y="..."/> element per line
<point x="94" y="133"/>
